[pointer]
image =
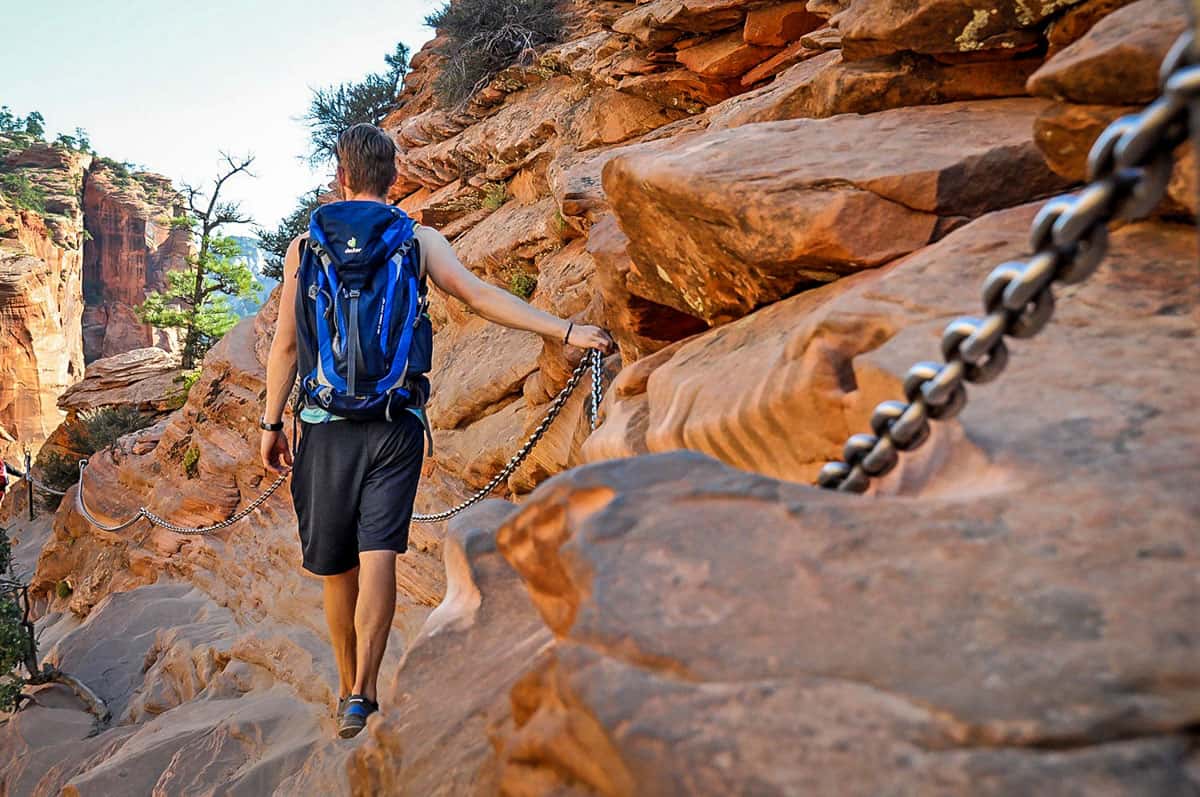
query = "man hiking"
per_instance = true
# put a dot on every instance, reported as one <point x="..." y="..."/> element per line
<point x="352" y="325"/>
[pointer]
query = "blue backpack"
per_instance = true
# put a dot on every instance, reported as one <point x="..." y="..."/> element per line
<point x="365" y="341"/>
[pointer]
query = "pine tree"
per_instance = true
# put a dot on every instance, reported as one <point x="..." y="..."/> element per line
<point x="196" y="300"/>
<point x="14" y="639"/>
<point x="276" y="242"/>
<point x="337" y="108"/>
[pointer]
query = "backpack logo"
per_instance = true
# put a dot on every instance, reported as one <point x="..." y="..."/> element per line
<point x="352" y="247"/>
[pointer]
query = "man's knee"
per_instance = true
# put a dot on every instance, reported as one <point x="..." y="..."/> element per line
<point x="342" y="583"/>
<point x="374" y="561"/>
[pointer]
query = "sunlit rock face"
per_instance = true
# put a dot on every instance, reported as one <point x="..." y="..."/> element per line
<point x="41" y="303"/>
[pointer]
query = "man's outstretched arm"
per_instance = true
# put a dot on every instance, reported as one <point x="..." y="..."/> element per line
<point x="281" y="365"/>
<point x="496" y="304"/>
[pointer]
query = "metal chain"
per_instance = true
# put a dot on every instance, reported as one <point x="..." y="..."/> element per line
<point x="158" y="520"/>
<point x="1129" y="168"/>
<point x="45" y="487"/>
<point x="35" y="482"/>
<point x="592" y="361"/>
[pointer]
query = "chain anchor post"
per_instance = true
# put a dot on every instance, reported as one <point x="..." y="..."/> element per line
<point x="29" y="480"/>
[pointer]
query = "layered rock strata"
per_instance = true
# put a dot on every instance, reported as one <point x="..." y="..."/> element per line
<point x="41" y="301"/>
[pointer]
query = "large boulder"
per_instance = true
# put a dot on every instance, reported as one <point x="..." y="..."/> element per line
<point x="879" y="27"/>
<point x="827" y="84"/>
<point x="963" y="636"/>
<point x="724" y="222"/>
<point x="660" y="22"/>
<point x="148" y="379"/>
<point x="718" y="632"/>
<point x="1116" y="62"/>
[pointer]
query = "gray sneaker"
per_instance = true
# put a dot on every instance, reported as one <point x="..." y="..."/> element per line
<point x="354" y="716"/>
<point x="341" y="708"/>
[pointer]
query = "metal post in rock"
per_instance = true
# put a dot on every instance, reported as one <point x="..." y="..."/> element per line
<point x="29" y="480"/>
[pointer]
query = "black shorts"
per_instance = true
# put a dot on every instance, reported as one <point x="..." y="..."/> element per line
<point x="353" y="486"/>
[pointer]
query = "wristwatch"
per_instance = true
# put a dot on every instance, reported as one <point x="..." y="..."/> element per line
<point x="270" y="427"/>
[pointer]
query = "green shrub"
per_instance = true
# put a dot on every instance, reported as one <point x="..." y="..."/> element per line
<point x="23" y="192"/>
<point x="14" y="643"/>
<point x="62" y="589"/>
<point x="487" y="36"/>
<point x="100" y="428"/>
<point x="185" y="382"/>
<point x="276" y="242"/>
<point x="494" y="195"/>
<point x="122" y="170"/>
<point x="13" y="634"/>
<point x="522" y="284"/>
<point x="191" y="462"/>
<point x="92" y="431"/>
<point x="58" y="472"/>
<point x="5" y="552"/>
<point x="188" y="378"/>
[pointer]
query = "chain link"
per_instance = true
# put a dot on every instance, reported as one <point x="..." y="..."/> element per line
<point x="591" y="361"/>
<point x="1129" y="168"/>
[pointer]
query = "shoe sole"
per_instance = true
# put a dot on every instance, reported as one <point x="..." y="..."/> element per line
<point x="350" y="731"/>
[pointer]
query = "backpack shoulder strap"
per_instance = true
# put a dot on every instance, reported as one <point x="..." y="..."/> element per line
<point x="422" y="271"/>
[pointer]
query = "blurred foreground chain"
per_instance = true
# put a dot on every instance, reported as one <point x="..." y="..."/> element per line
<point x="1128" y="170"/>
<point x="590" y="361"/>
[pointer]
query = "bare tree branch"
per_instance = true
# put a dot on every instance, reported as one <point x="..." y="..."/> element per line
<point x="229" y="213"/>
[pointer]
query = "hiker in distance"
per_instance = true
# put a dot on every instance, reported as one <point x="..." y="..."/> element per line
<point x="352" y="323"/>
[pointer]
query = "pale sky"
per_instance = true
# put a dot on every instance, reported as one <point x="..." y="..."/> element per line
<point x="169" y="85"/>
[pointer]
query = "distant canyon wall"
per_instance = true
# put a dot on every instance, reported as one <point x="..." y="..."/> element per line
<point x="71" y="274"/>
<point x="130" y="247"/>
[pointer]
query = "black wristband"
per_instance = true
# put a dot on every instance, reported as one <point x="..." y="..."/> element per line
<point x="270" y="427"/>
<point x="567" y="337"/>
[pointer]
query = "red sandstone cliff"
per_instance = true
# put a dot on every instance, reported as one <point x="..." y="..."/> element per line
<point x="41" y="299"/>
<point x="71" y="274"/>
<point x="130" y="247"/>
<point x="775" y="207"/>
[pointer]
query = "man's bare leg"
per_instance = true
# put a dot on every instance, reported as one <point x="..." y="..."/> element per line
<point x="341" y="594"/>
<point x="373" y="617"/>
